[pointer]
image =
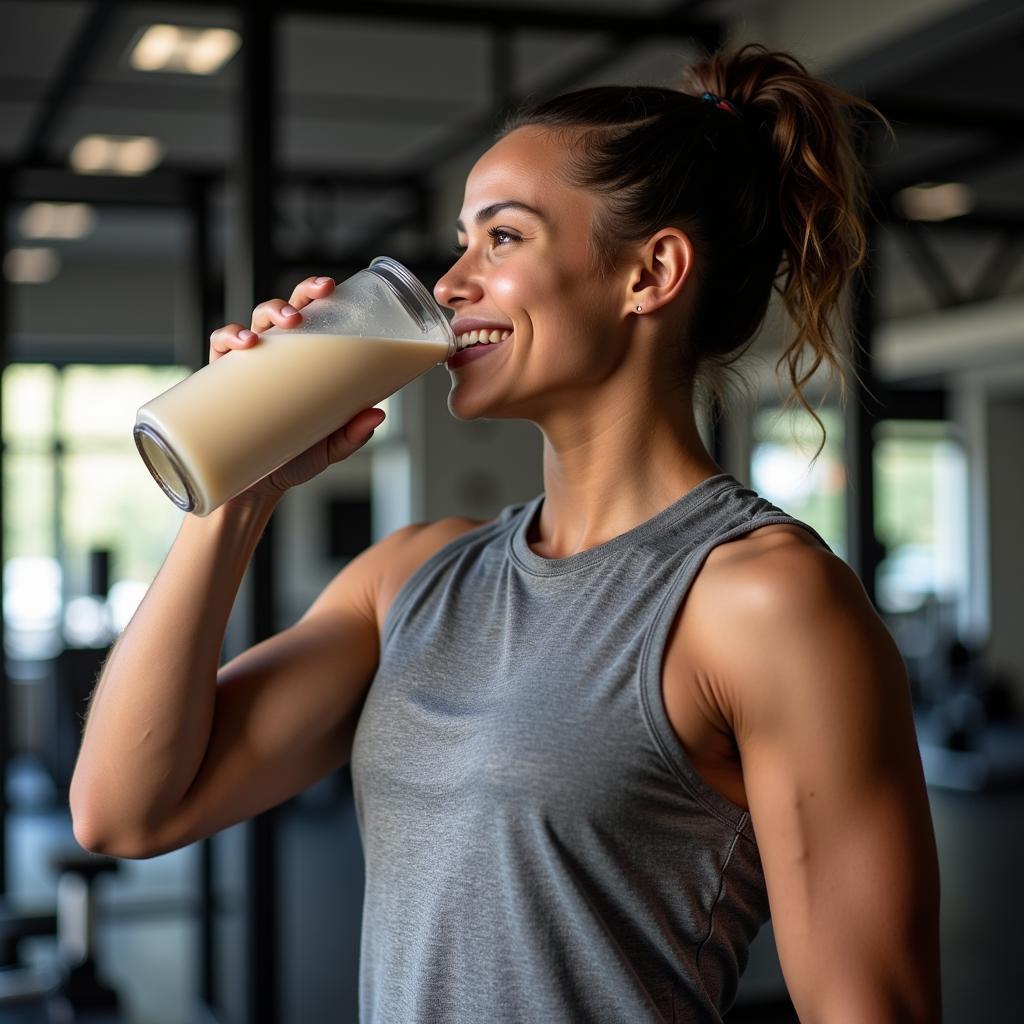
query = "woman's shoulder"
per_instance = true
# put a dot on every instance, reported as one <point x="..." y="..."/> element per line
<point x="410" y="547"/>
<point x="776" y="570"/>
<point x="769" y="592"/>
<point x="764" y="604"/>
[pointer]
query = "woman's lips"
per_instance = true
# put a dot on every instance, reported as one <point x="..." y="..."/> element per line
<point x="467" y="355"/>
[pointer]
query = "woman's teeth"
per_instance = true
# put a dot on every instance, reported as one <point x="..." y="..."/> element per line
<point x="482" y="338"/>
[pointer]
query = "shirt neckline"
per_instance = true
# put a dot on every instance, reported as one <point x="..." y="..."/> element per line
<point x="529" y="560"/>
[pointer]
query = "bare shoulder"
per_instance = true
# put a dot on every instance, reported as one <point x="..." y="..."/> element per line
<point x="407" y="549"/>
<point x="777" y="569"/>
<point x="765" y="605"/>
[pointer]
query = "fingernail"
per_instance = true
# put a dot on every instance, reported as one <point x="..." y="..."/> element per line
<point x="321" y="280"/>
<point x="246" y="335"/>
<point x="289" y="310"/>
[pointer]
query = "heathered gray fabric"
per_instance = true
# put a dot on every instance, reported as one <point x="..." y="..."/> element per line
<point x="538" y="846"/>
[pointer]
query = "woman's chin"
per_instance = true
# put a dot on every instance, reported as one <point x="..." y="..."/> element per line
<point x="467" y="403"/>
<point x="466" y="408"/>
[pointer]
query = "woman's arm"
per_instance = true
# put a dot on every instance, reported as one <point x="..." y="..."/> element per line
<point x="150" y="714"/>
<point x="821" y="709"/>
<point x="175" y="750"/>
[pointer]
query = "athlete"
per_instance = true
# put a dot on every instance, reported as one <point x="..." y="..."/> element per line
<point x="597" y="741"/>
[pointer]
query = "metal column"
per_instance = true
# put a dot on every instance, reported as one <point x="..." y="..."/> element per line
<point x="863" y="412"/>
<point x="196" y="354"/>
<point x="5" y="704"/>
<point x="251" y="278"/>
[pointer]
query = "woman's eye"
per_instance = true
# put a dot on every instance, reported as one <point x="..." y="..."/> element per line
<point x="496" y="234"/>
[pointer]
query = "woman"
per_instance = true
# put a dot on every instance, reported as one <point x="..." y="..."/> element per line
<point x="615" y="728"/>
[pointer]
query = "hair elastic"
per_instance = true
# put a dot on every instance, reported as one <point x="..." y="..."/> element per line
<point x="726" y="105"/>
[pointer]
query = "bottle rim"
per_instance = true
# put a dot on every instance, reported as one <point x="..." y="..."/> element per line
<point x="414" y="296"/>
<point x="186" y="504"/>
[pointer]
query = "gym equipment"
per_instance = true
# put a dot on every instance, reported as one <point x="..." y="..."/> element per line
<point x="76" y="992"/>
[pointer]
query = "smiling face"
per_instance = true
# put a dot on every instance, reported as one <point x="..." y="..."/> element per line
<point x="530" y="267"/>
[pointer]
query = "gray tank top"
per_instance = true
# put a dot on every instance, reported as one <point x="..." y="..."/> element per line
<point x="538" y="846"/>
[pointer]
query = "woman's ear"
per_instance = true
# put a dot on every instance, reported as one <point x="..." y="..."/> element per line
<point x="663" y="266"/>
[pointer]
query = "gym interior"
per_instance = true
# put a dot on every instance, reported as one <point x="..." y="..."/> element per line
<point x="166" y="165"/>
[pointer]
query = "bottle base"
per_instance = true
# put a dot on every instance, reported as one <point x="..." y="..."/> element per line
<point x="164" y="466"/>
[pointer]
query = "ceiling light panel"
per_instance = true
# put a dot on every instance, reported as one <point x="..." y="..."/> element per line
<point x="36" y="265"/>
<point x="56" y="220"/>
<point x="935" y="201"/>
<point x="184" y="50"/>
<point x="116" y="154"/>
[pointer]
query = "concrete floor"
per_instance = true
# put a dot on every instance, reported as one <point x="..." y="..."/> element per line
<point x="148" y="937"/>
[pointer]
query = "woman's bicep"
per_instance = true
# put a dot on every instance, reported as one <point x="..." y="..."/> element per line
<point x="284" y="717"/>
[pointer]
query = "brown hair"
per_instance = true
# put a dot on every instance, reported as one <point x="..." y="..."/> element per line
<point x="772" y="197"/>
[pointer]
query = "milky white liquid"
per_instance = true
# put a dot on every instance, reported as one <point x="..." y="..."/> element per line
<point x="238" y="419"/>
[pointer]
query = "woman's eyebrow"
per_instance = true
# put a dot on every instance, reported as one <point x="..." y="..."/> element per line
<point x="485" y="213"/>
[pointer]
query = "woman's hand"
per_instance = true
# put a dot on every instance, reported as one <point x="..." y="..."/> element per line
<point x="333" y="448"/>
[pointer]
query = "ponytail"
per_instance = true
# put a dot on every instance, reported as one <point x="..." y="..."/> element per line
<point x="821" y="195"/>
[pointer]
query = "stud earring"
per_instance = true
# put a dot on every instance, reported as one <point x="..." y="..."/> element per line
<point x="639" y="309"/>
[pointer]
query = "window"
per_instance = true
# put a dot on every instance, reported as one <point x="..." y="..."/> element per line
<point x="74" y="484"/>
<point x="780" y="469"/>
<point x="920" y="514"/>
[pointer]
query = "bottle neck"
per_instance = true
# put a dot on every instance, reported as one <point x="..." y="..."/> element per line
<point x="418" y="302"/>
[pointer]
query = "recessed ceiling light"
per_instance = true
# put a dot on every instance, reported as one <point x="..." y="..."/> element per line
<point x="56" y="220"/>
<point x="935" y="201"/>
<point x="116" y="154"/>
<point x="194" y="51"/>
<point x="31" y="266"/>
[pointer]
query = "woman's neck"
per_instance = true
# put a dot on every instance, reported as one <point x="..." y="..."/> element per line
<point x="609" y="472"/>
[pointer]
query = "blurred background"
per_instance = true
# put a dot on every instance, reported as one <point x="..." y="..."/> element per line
<point x="163" y="166"/>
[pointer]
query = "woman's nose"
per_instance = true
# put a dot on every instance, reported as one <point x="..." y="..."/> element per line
<point x="453" y="286"/>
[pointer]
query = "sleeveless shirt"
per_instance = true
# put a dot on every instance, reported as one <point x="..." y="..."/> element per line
<point x="538" y="846"/>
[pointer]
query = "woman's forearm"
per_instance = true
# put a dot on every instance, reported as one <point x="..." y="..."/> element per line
<point x="151" y="713"/>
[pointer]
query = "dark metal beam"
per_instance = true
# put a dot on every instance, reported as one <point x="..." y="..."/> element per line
<point x="208" y="97"/>
<point x="682" y="20"/>
<point x="5" y="703"/>
<point x="929" y="265"/>
<point x="994" y="275"/>
<point x="679" y="21"/>
<point x="169" y="184"/>
<point x="63" y="86"/>
<point x="55" y="182"/>
<point x="968" y="117"/>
